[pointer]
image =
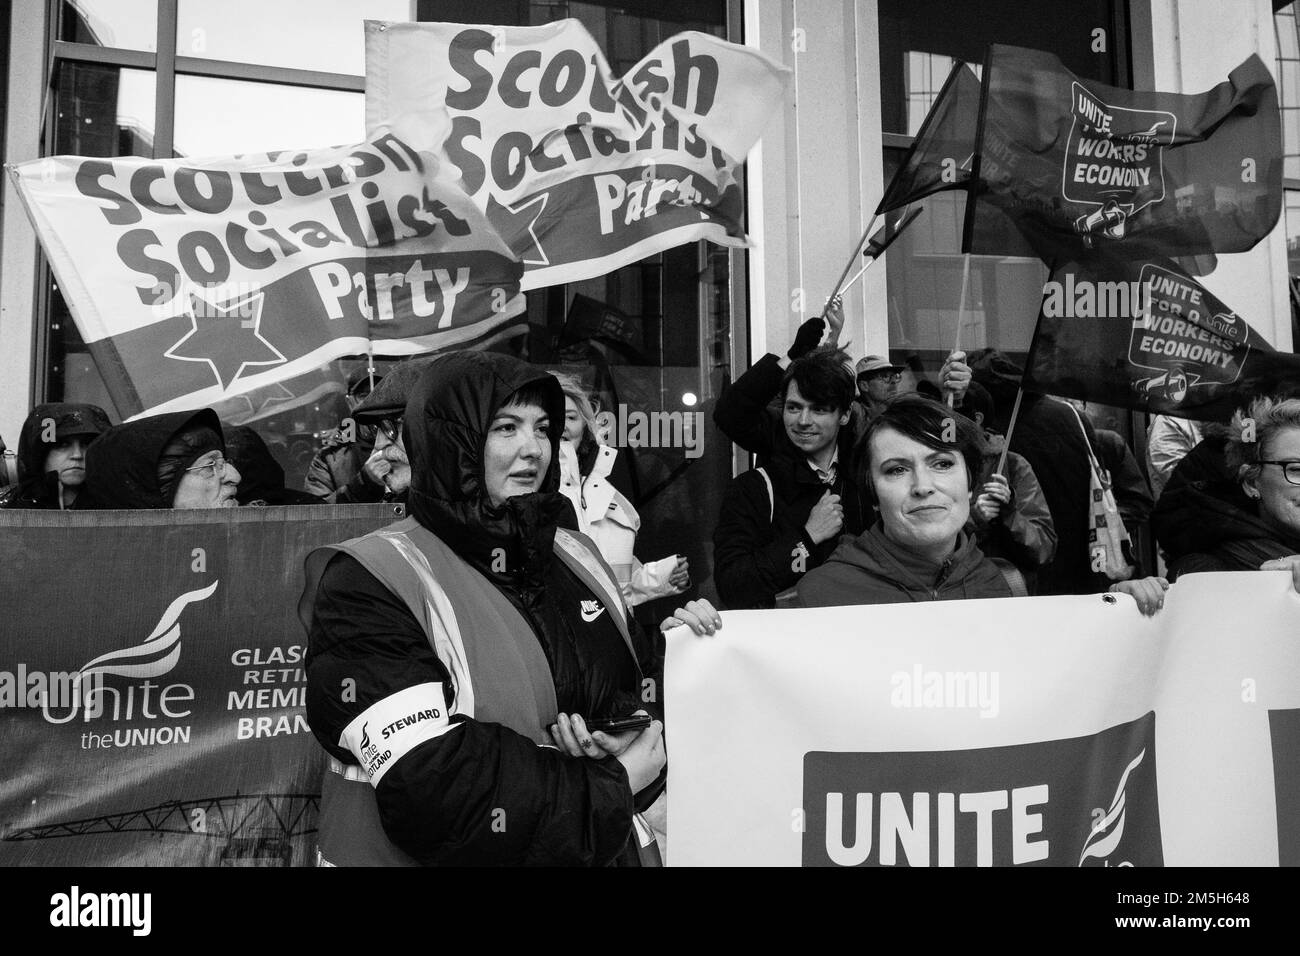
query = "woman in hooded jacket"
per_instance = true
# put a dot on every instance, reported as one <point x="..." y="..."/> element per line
<point x="52" y="456"/>
<point x="453" y="657"/>
<point x="174" y="460"/>
<point x="604" y="513"/>
<point x="1248" y="522"/>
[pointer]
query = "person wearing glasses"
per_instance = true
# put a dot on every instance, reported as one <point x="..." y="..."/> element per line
<point x="878" y="380"/>
<point x="1248" y="523"/>
<point x="175" y="460"/>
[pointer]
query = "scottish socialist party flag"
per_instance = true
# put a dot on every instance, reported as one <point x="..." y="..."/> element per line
<point x="581" y="171"/>
<point x="231" y="281"/>
<point x="1143" y="334"/>
<point x="1065" y="166"/>
<point x="942" y="153"/>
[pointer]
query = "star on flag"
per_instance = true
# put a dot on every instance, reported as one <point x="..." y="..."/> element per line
<point x="227" y="336"/>
<point x="519" y="229"/>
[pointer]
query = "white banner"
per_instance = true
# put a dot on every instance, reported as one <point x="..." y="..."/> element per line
<point x="1064" y="731"/>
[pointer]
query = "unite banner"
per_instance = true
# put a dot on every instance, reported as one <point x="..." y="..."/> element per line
<point x="194" y="281"/>
<point x="1063" y="731"/>
<point x="580" y="172"/>
<point x="152" y="686"/>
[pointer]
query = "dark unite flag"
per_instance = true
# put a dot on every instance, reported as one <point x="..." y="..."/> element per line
<point x="941" y="155"/>
<point x="1064" y="165"/>
<point x="1145" y="335"/>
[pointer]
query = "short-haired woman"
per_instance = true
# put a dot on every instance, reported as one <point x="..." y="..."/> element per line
<point x="917" y="461"/>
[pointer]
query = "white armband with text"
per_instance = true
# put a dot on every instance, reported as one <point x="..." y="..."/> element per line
<point x="391" y="728"/>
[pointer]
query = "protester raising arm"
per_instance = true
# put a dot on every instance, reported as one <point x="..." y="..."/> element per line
<point x="744" y="413"/>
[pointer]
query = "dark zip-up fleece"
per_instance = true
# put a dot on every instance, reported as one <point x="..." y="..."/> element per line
<point x="870" y="569"/>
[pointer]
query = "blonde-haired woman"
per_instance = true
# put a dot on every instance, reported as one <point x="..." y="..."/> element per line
<point x="1251" y="521"/>
<point x="604" y="513"/>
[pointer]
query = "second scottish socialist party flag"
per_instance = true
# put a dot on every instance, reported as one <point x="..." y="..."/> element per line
<point x="1142" y="334"/>
<point x="580" y="171"/>
<point x="941" y="155"/>
<point x="1065" y="165"/>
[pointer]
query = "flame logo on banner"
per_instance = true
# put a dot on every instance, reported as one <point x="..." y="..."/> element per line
<point x="1101" y="843"/>
<point x="160" y="650"/>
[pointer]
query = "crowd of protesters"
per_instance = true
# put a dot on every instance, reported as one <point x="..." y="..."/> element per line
<point x="498" y="612"/>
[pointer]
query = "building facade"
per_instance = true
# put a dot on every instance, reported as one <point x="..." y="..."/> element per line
<point x="168" y="78"/>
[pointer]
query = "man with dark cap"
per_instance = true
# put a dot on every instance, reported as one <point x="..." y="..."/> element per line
<point x="386" y="474"/>
<point x="52" y="456"/>
<point x="174" y="460"/>
<point x="338" y="473"/>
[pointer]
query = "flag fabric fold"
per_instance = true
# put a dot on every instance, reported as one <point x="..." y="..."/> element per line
<point x="942" y="154"/>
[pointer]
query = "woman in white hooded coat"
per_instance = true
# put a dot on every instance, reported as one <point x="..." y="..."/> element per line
<point x="604" y="513"/>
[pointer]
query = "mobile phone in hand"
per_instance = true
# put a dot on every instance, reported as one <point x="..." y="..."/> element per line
<point x="619" y="725"/>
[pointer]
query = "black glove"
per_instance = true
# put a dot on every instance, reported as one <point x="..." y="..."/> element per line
<point x="808" y="337"/>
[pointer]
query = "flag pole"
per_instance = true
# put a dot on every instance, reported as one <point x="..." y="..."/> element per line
<point x="853" y="257"/>
<point x="961" y="318"/>
<point x="1011" y="427"/>
<point x="849" y="285"/>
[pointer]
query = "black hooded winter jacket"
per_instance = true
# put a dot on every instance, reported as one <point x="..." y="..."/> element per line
<point x="122" y="463"/>
<point x="35" y="488"/>
<point x="437" y="802"/>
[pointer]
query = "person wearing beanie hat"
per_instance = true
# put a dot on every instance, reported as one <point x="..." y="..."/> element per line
<point x="52" y="456"/>
<point x="174" y="460"/>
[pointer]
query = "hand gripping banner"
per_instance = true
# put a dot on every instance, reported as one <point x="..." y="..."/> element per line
<point x="195" y="281"/>
<point x="580" y="172"/>
<point x="1062" y="731"/>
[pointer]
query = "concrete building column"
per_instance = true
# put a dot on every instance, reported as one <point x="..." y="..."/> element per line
<point x="818" y="172"/>
<point x="22" y="118"/>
